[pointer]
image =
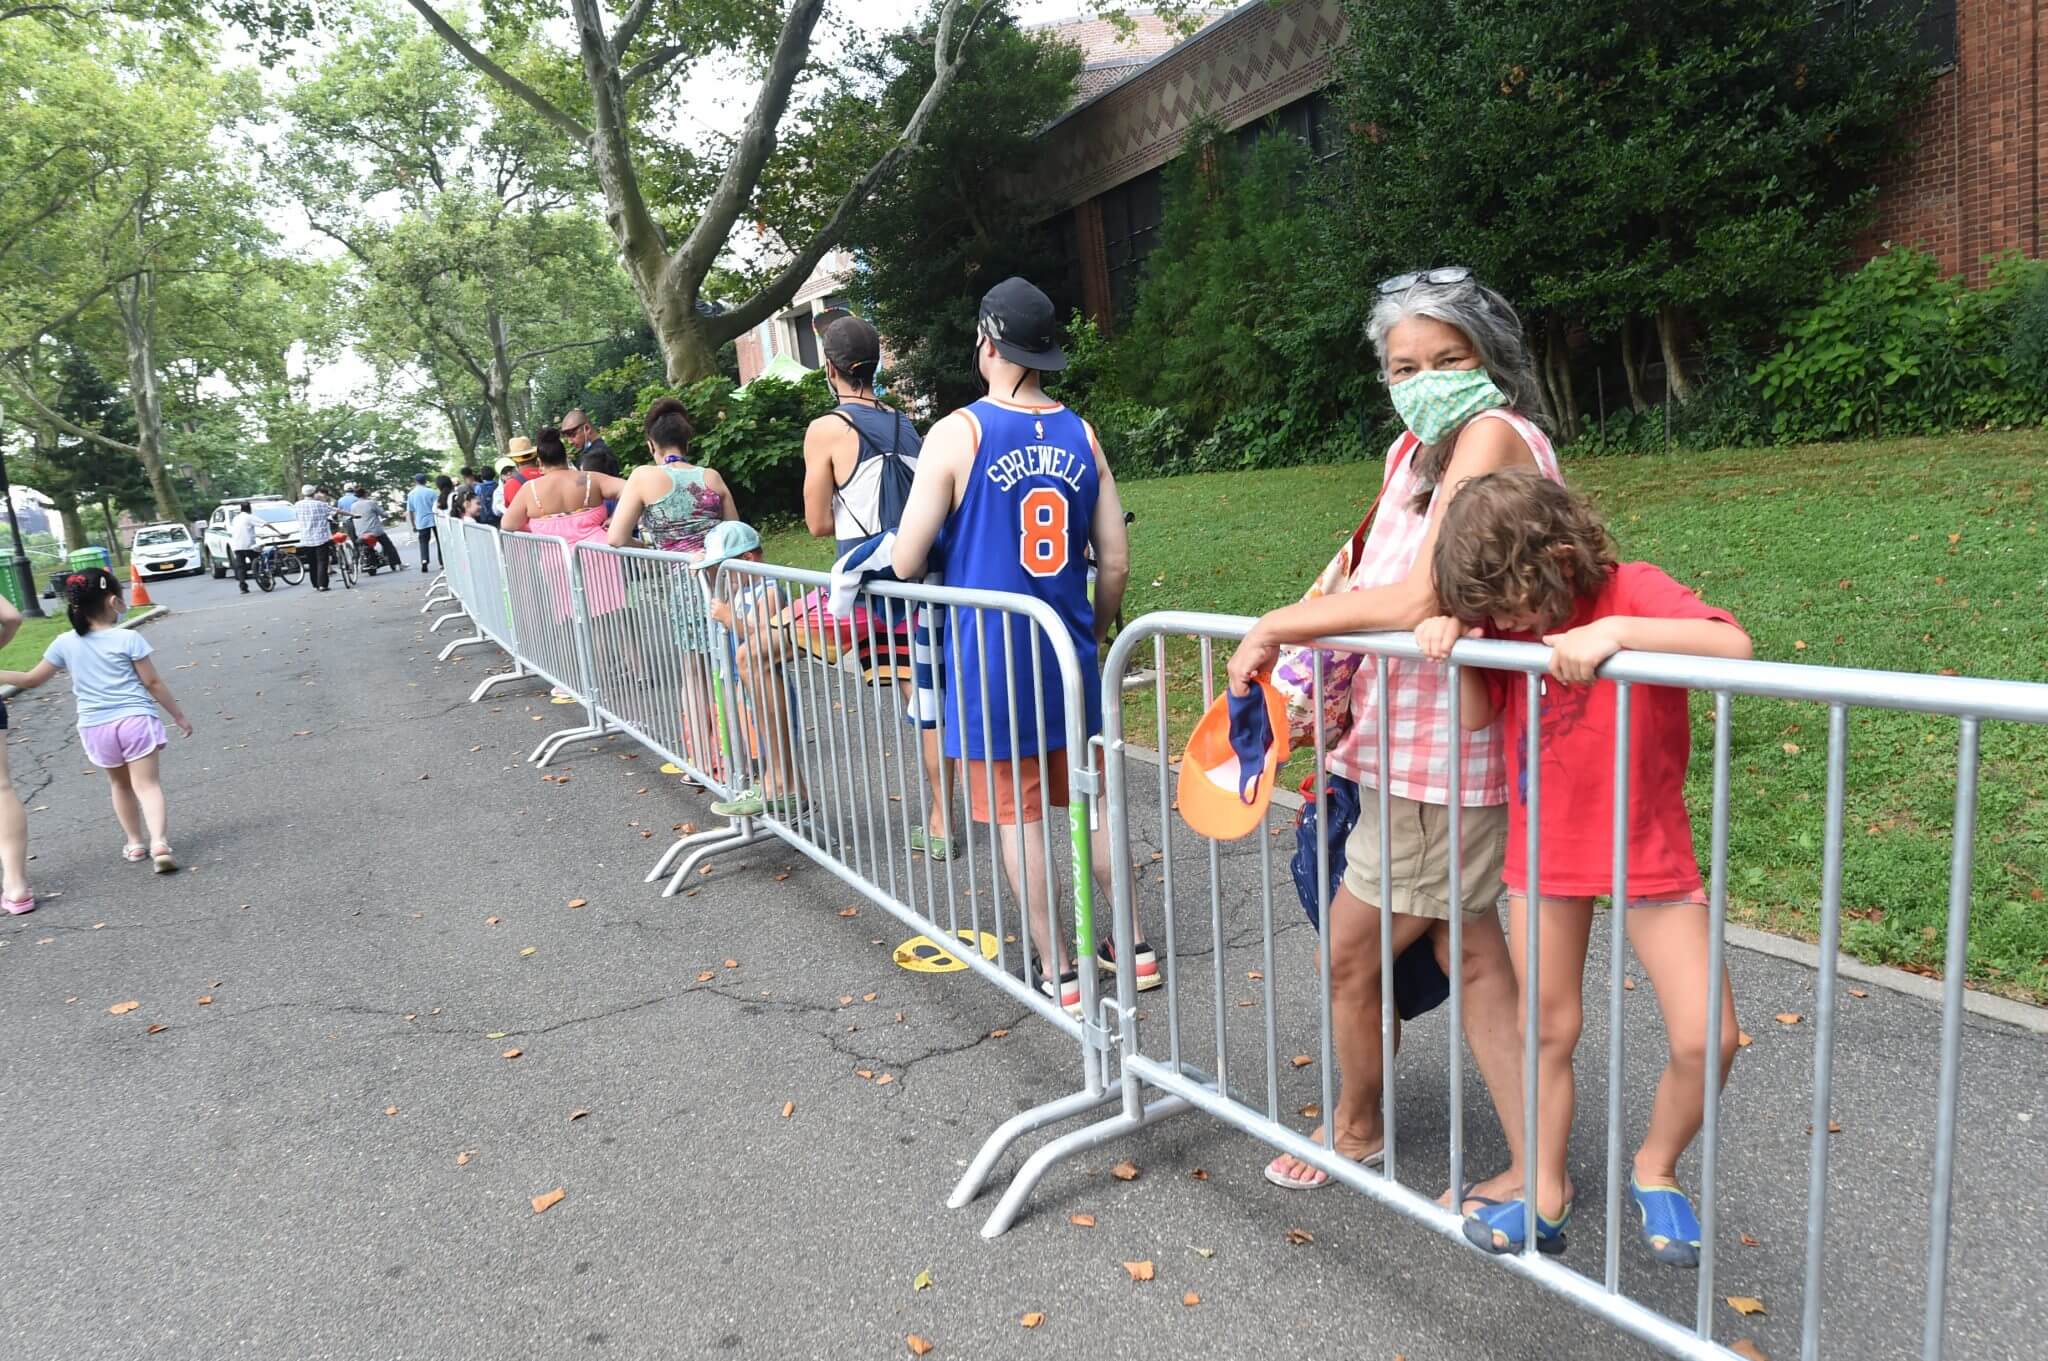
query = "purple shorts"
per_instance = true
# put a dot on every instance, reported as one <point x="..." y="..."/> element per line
<point x="108" y="745"/>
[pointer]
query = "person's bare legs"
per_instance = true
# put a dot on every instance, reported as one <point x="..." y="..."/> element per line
<point x="13" y="833"/>
<point x="1032" y="884"/>
<point x="938" y="818"/>
<point x="126" y="808"/>
<point x="149" y="793"/>
<point x="1355" y="981"/>
<point x="1565" y="927"/>
<point x="1671" y="941"/>
<point x="1488" y="996"/>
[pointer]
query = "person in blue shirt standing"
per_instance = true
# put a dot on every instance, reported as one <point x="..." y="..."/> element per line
<point x="419" y="504"/>
<point x="1010" y="494"/>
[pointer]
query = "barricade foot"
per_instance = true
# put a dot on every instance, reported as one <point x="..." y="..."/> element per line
<point x="436" y="594"/>
<point x="551" y="746"/>
<point x="1080" y="1141"/>
<point x="1015" y="1128"/>
<point x="439" y="620"/>
<point x="474" y="640"/>
<point x="744" y="833"/>
<point x="517" y="673"/>
<point x="683" y="843"/>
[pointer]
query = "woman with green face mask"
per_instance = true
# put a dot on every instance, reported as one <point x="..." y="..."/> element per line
<point x="1460" y="376"/>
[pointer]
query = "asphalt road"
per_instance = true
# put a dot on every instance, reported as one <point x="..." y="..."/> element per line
<point x="332" y="1158"/>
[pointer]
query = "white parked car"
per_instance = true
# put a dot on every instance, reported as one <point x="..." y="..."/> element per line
<point x="277" y="523"/>
<point x="164" y="550"/>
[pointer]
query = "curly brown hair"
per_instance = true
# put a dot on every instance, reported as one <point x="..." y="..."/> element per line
<point x="1516" y="543"/>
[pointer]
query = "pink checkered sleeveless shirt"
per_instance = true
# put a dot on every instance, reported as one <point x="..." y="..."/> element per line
<point x="1418" y="700"/>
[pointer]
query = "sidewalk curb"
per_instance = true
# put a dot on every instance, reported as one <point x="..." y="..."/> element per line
<point x="153" y="612"/>
<point x="1985" y="1005"/>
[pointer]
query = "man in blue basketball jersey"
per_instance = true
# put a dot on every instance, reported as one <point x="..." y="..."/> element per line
<point x="1011" y="493"/>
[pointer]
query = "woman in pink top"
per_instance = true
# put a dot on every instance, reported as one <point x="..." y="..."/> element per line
<point x="563" y="503"/>
<point x="1460" y="376"/>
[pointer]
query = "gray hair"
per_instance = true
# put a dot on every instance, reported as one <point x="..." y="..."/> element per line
<point x="1485" y="318"/>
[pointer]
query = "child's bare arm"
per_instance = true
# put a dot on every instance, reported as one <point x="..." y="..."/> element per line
<point x="160" y="691"/>
<point x="28" y="680"/>
<point x="1475" y="702"/>
<point x="1577" y="654"/>
<point x="10" y="621"/>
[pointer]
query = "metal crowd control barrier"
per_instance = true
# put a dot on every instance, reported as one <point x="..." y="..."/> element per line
<point x="551" y="607"/>
<point x="1195" y="917"/>
<point x="819" y="724"/>
<point x="451" y="585"/>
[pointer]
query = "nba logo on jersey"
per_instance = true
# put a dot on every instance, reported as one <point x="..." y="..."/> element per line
<point x="1038" y="428"/>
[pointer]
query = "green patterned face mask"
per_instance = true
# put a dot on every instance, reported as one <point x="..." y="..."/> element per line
<point x="1437" y="401"/>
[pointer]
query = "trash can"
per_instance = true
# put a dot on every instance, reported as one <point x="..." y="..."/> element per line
<point x="92" y="555"/>
<point x="10" y="584"/>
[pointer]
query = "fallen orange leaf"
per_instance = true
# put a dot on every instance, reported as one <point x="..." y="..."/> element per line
<point x="885" y="1079"/>
<point x="1300" y="1236"/>
<point x="1200" y="1174"/>
<point x="1743" y="1039"/>
<point x="869" y="996"/>
<point x="156" y="1028"/>
<point x="1628" y="985"/>
<point x="579" y="902"/>
<point x="1791" y="748"/>
<point x="1191" y="1299"/>
<point x="511" y="1053"/>
<point x="788" y="1109"/>
<point x="206" y="1001"/>
<point x="391" y="1110"/>
<point x="849" y="912"/>
<point x="1302" y="1060"/>
<point x="1745" y="1304"/>
<point x="997" y="1034"/>
<point x="1858" y="992"/>
<point x="864" y="1072"/>
<point x="1747" y="1350"/>
<point x="578" y="1113"/>
<point x="1032" y="1320"/>
<point x="1125" y="1171"/>
<point x="706" y="976"/>
<point x="1311" y="1111"/>
<point x="1747" y="1241"/>
<point x="462" y="1158"/>
<point x="548" y="1199"/>
<point x="732" y="964"/>
<point x="1082" y="1221"/>
<point x="1788" y="1018"/>
<point x="918" y="1346"/>
<point x="846" y="1000"/>
<point x="492" y="921"/>
<point x="1140" y="1271"/>
<point x="122" y="1008"/>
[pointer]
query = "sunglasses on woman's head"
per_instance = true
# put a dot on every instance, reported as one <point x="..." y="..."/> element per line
<point x="1449" y="274"/>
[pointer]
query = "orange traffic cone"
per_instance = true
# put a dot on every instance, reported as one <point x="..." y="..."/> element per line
<point x="140" y="595"/>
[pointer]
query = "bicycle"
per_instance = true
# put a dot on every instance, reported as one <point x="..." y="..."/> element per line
<point x="347" y="558"/>
<point x="278" y="562"/>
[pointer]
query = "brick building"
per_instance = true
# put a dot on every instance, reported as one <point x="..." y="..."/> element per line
<point x="1972" y="187"/>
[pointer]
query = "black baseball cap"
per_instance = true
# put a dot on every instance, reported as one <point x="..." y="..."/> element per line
<point x="1020" y="319"/>
<point x="854" y="348"/>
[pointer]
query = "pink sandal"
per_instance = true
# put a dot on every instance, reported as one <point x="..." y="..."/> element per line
<point x="19" y="906"/>
<point x="161" y="854"/>
<point x="133" y="853"/>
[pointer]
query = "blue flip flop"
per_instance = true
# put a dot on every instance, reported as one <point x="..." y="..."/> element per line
<point x="1670" y="1228"/>
<point x="1498" y="1229"/>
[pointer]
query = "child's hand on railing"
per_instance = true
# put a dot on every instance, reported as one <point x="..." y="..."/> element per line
<point x="1439" y="633"/>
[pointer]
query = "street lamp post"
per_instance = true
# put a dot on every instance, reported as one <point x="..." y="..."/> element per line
<point x="31" y="604"/>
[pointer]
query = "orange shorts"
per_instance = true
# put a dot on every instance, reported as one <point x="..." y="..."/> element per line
<point x="1036" y="781"/>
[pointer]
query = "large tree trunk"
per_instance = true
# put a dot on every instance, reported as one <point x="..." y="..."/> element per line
<point x="498" y="391"/>
<point x="1557" y="381"/>
<point x="1632" y="364"/>
<point x="687" y="352"/>
<point x="137" y="305"/>
<point x="1674" y="365"/>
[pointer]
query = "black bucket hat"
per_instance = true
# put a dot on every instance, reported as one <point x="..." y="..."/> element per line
<point x="1021" y="321"/>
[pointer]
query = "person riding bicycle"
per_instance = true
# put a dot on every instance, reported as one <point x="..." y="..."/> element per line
<point x="369" y="527"/>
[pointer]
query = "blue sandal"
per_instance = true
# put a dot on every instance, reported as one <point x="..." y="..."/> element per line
<point x="1670" y="1228"/>
<point x="1498" y="1229"/>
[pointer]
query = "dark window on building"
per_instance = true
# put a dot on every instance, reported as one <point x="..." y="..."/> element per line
<point x="1065" y="288"/>
<point x="806" y="342"/>
<point x="1936" y="24"/>
<point x="1312" y="118"/>
<point x="1130" y="230"/>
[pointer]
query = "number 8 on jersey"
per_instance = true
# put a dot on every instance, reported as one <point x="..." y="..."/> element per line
<point x="1045" y="543"/>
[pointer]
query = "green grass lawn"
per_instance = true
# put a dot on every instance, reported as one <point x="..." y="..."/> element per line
<point x="25" y="649"/>
<point x="1910" y="555"/>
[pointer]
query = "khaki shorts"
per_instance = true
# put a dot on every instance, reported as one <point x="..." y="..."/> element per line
<point x="1419" y="844"/>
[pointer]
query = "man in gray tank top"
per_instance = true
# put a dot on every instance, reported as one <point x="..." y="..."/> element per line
<point x="858" y="461"/>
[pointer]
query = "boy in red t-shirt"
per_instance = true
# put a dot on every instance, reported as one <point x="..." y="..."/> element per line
<point x="1524" y="559"/>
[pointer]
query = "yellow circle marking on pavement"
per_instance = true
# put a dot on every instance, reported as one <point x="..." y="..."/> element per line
<point x="921" y="954"/>
<point x="671" y="768"/>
